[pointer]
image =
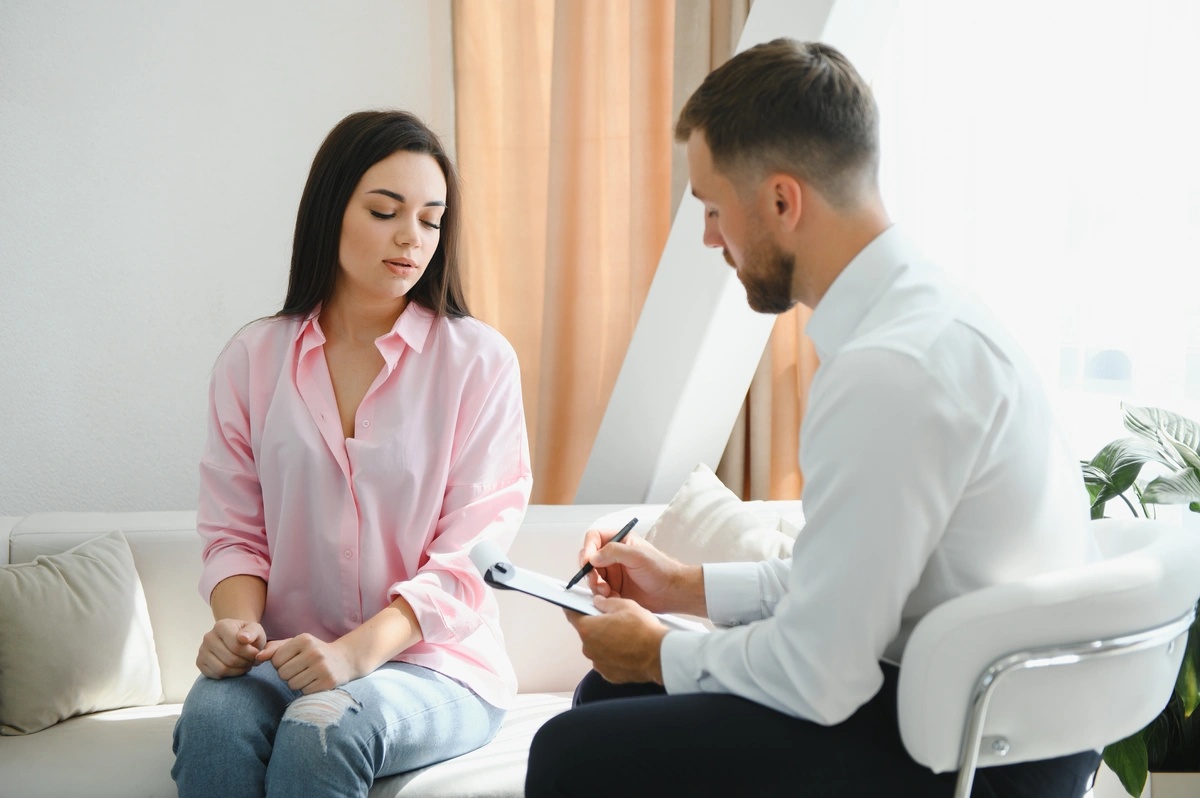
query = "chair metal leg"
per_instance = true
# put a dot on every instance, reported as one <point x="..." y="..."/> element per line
<point x="973" y="735"/>
<point x="1048" y="656"/>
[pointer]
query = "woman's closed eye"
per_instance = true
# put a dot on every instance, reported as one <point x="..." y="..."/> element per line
<point x="431" y="225"/>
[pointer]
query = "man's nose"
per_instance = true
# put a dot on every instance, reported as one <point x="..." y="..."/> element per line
<point x="712" y="238"/>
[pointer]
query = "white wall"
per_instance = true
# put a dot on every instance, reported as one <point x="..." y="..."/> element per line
<point x="152" y="155"/>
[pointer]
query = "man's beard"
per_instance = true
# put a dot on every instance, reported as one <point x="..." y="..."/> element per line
<point x="766" y="275"/>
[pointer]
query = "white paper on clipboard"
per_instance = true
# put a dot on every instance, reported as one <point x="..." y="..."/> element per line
<point x="500" y="573"/>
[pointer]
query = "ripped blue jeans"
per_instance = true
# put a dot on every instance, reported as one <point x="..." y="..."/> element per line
<point x="252" y="735"/>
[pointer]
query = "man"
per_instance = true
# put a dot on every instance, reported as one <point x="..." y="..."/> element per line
<point x="932" y="468"/>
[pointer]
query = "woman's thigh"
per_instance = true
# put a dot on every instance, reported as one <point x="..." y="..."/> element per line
<point x="400" y="717"/>
<point x="225" y="733"/>
<point x="249" y="704"/>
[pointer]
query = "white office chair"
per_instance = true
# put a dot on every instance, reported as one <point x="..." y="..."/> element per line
<point x="1056" y="664"/>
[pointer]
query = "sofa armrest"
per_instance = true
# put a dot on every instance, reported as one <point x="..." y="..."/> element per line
<point x="7" y="522"/>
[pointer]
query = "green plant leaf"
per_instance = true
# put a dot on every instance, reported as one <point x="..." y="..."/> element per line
<point x="1187" y="684"/>
<point x="1163" y="735"/>
<point x="1190" y="457"/>
<point x="1166" y="445"/>
<point x="1122" y="460"/>
<point x="1093" y="478"/>
<point x="1113" y="471"/>
<point x="1182" y="487"/>
<point x="1127" y="758"/>
<point x="1145" y="422"/>
<point x="1098" y="484"/>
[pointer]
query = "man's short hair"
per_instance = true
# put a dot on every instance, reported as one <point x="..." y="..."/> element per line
<point x="794" y="107"/>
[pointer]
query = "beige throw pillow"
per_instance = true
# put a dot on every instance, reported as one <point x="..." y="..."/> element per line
<point x="75" y="637"/>
<point x="706" y="522"/>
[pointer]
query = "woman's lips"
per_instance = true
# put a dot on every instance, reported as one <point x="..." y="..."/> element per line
<point x="401" y="268"/>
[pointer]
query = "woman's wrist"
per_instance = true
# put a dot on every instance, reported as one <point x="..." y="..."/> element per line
<point x="380" y="638"/>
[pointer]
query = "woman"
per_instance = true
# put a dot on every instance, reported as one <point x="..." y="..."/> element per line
<point x="361" y="441"/>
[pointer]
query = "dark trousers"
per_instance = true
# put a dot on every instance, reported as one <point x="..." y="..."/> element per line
<point x="635" y="740"/>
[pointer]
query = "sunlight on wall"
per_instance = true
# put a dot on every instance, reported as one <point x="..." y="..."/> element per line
<point x="1045" y="152"/>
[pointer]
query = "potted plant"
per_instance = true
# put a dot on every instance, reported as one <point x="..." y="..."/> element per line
<point x="1171" y="742"/>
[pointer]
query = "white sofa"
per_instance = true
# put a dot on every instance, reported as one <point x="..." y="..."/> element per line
<point x="127" y="752"/>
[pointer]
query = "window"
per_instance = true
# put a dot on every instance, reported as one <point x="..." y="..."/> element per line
<point x="1047" y="153"/>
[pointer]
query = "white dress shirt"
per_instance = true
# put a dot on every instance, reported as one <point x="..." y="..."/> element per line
<point x="933" y="467"/>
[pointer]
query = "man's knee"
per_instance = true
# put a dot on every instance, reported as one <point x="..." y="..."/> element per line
<point x="558" y="750"/>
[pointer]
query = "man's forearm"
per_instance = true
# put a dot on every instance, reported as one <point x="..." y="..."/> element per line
<point x="687" y="591"/>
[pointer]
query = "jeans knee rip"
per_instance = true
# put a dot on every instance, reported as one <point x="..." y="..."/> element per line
<point x="321" y="710"/>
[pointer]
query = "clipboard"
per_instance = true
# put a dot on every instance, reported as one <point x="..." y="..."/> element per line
<point x="501" y="574"/>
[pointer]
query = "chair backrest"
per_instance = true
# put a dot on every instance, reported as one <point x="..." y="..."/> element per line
<point x="1149" y="576"/>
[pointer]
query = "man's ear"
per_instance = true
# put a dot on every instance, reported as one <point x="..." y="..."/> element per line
<point x="786" y="200"/>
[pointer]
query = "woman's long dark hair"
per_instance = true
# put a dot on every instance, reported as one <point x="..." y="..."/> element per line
<point x="360" y="141"/>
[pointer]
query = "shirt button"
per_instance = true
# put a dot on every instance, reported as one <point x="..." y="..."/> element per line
<point x="347" y="554"/>
<point x="366" y="422"/>
<point x="354" y="617"/>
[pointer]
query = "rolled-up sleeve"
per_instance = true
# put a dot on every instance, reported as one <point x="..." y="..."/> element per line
<point x="485" y="499"/>
<point x="229" y="514"/>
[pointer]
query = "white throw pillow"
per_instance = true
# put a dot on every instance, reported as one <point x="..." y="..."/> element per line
<point x="75" y="636"/>
<point x="706" y="522"/>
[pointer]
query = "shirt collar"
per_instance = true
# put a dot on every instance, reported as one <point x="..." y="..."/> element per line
<point x="857" y="289"/>
<point x="411" y="329"/>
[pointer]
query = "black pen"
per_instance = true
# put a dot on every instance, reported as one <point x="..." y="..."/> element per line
<point x="586" y="569"/>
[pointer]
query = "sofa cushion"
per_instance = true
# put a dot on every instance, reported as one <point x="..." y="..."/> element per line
<point x="706" y="522"/>
<point x="167" y="553"/>
<point x="128" y="752"/>
<point x="75" y="637"/>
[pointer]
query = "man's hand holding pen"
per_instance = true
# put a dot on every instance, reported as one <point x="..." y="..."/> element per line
<point x="631" y="579"/>
<point x="634" y="569"/>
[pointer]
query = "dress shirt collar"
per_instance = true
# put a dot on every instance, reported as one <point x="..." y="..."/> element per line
<point x="857" y="289"/>
<point x="411" y="329"/>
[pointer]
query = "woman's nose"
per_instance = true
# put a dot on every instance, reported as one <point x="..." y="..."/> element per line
<point x="406" y="234"/>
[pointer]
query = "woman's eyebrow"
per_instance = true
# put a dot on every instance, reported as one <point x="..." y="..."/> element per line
<point x="400" y="197"/>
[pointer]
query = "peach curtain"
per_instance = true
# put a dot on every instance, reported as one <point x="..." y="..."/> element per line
<point x="564" y="142"/>
<point x="564" y="115"/>
<point x="761" y="460"/>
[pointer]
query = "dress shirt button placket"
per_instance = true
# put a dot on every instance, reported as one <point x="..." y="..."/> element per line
<point x="349" y="539"/>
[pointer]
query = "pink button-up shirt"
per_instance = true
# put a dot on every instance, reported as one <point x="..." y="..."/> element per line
<point x="339" y="527"/>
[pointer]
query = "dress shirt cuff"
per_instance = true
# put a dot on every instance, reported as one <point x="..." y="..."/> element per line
<point x="679" y="655"/>
<point x="732" y="593"/>
<point x="441" y="619"/>
<point x="229" y="562"/>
